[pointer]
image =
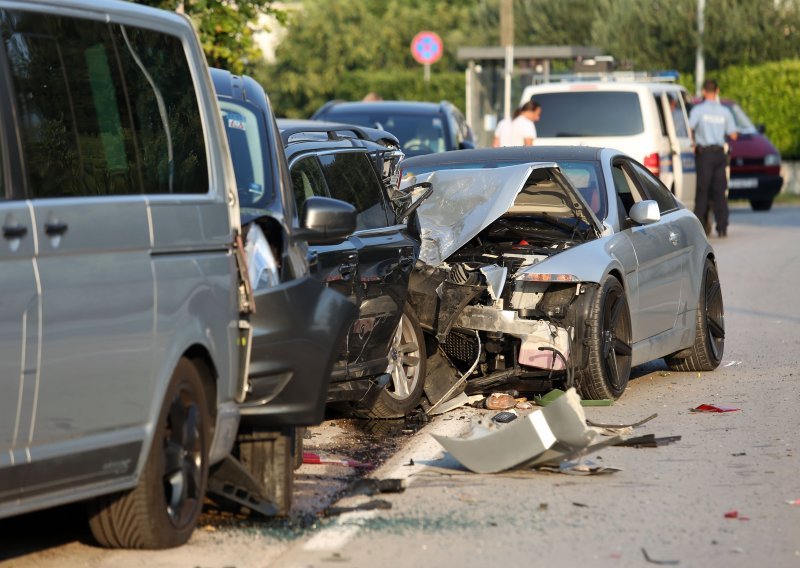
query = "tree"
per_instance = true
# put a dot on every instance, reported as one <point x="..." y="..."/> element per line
<point x="330" y="41"/>
<point x="226" y="28"/>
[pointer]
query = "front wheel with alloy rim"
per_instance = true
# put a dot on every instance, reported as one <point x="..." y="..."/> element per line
<point x="709" y="336"/>
<point x="162" y="510"/>
<point x="609" y="342"/>
<point x="407" y="366"/>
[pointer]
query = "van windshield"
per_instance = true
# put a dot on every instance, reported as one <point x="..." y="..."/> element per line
<point x="589" y="113"/>
<point x="743" y="123"/>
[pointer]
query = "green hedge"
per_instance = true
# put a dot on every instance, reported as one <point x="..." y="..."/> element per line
<point x="770" y="95"/>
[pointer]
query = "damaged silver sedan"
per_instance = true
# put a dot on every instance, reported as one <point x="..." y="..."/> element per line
<point x="547" y="267"/>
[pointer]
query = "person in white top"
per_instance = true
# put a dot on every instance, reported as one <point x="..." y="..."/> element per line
<point x="521" y="131"/>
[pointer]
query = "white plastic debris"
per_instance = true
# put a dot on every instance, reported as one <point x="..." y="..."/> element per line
<point x="261" y="266"/>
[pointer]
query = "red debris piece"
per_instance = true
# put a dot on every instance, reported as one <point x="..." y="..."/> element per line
<point x="714" y="408"/>
<point x="795" y="502"/>
<point x="735" y="515"/>
<point x="316" y="459"/>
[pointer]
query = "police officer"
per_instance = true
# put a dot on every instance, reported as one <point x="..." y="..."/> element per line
<point x="711" y="122"/>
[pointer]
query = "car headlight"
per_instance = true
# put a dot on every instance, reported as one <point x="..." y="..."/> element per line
<point x="772" y="160"/>
<point x="530" y="277"/>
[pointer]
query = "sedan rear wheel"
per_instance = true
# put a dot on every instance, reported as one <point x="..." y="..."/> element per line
<point x="407" y="367"/>
<point x="709" y="337"/>
<point x="609" y="342"/>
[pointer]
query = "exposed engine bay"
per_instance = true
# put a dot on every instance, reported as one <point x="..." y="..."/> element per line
<point x="494" y="317"/>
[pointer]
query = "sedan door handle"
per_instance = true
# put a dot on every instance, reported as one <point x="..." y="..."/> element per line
<point x="673" y="238"/>
<point x="55" y="229"/>
<point x="14" y="232"/>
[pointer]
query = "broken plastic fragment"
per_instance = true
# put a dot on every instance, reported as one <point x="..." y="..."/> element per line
<point x="547" y="436"/>
<point x="500" y="401"/>
<point x="495" y="279"/>
<point x="714" y="408"/>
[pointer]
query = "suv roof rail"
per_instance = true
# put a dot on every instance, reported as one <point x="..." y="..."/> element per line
<point x="338" y="132"/>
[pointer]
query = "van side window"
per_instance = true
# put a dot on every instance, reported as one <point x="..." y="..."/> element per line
<point x="661" y="119"/>
<point x="678" y="116"/>
<point x="103" y="110"/>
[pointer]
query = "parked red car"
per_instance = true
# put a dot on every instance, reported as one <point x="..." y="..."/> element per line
<point x="755" y="171"/>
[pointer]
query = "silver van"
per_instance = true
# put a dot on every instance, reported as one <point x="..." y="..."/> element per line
<point x="121" y="353"/>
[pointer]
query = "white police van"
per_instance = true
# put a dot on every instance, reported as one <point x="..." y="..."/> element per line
<point x="648" y="121"/>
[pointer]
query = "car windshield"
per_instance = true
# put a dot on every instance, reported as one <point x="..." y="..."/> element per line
<point x="246" y="141"/>
<point x="743" y="123"/>
<point x="418" y="133"/>
<point x="584" y="175"/>
<point x="589" y="113"/>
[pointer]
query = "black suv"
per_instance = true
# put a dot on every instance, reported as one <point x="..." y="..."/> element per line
<point x="422" y="128"/>
<point x="381" y="371"/>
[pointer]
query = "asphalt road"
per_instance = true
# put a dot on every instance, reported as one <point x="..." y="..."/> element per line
<point x="670" y="501"/>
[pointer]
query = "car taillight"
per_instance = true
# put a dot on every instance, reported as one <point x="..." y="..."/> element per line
<point x="652" y="163"/>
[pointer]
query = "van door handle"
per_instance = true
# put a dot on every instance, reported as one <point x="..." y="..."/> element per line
<point x="15" y="231"/>
<point x="55" y="229"/>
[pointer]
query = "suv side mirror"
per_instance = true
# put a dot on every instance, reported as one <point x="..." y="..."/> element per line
<point x="326" y="221"/>
<point x="645" y="212"/>
<point x="405" y="212"/>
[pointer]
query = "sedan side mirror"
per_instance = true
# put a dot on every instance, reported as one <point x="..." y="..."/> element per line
<point x="326" y="221"/>
<point x="426" y="188"/>
<point x="645" y="212"/>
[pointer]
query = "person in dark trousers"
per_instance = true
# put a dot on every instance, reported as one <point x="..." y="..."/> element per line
<point x="711" y="122"/>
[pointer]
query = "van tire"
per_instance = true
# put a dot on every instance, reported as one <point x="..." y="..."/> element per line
<point x="269" y="458"/>
<point x="163" y="509"/>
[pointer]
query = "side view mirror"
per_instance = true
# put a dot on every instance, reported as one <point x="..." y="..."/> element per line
<point x="761" y="128"/>
<point x="645" y="212"/>
<point x="325" y="221"/>
<point x="424" y="190"/>
<point x="466" y="145"/>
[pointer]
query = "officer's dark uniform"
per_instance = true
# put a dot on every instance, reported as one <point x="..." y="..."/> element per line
<point x="711" y="121"/>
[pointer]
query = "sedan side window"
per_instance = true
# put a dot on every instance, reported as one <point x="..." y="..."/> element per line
<point x="626" y="190"/>
<point x="654" y="189"/>
<point x="307" y="181"/>
<point x="352" y="178"/>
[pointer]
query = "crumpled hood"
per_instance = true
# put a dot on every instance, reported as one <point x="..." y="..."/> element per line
<point x="464" y="202"/>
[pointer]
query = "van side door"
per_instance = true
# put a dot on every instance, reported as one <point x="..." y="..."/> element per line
<point x="683" y="166"/>
<point x="83" y="174"/>
<point x="19" y="303"/>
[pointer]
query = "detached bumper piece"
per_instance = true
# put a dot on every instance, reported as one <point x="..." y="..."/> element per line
<point x="298" y="329"/>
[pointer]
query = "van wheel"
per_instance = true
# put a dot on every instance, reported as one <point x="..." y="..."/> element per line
<point x="709" y="338"/>
<point x="609" y="343"/>
<point x="407" y="367"/>
<point x="162" y="510"/>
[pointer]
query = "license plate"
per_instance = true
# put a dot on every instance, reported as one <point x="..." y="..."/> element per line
<point x="743" y="183"/>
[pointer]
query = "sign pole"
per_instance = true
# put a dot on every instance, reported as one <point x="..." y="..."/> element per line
<point x="427" y="67"/>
